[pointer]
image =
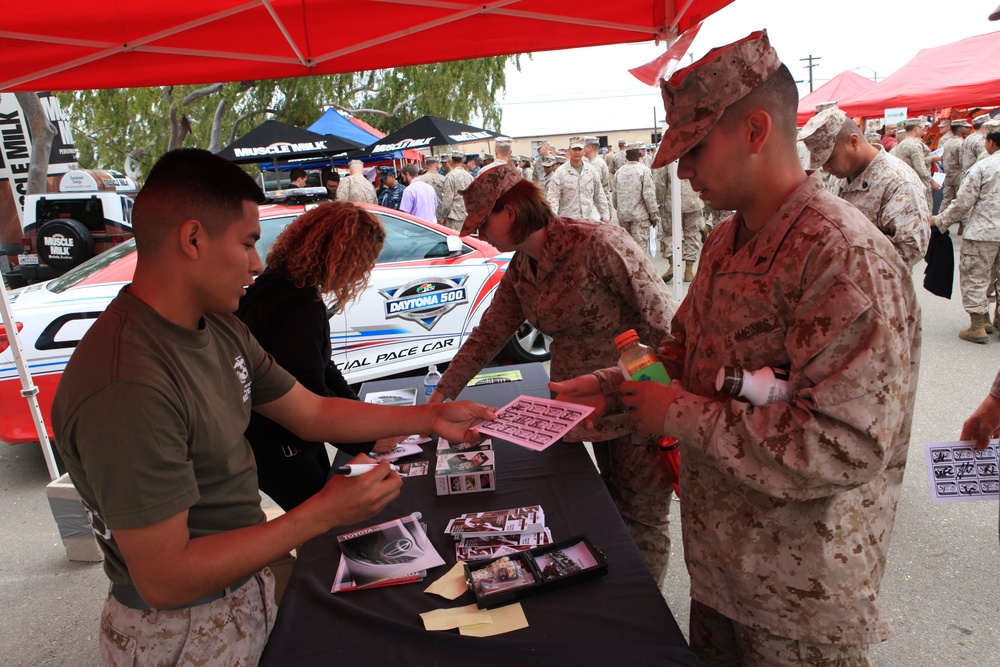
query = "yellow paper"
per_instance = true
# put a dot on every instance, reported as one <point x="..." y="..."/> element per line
<point x="505" y="619"/>
<point x="448" y="619"/>
<point x="451" y="584"/>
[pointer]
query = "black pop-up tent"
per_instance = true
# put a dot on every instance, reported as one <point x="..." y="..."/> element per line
<point x="428" y="131"/>
<point x="275" y="141"/>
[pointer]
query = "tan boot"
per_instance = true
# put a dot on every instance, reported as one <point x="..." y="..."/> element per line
<point x="987" y="325"/>
<point x="976" y="333"/>
<point x="688" y="271"/>
<point x="669" y="275"/>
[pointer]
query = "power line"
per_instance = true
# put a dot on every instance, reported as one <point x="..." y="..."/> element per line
<point x="810" y="67"/>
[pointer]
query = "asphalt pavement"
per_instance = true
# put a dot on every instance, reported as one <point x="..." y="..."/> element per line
<point x="939" y="589"/>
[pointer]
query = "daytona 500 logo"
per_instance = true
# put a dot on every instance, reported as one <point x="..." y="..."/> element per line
<point x="425" y="301"/>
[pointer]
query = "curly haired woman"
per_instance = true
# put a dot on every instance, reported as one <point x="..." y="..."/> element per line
<point x="328" y="250"/>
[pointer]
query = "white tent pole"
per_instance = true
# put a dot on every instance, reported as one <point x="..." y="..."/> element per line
<point x="676" y="226"/>
<point x="28" y="388"/>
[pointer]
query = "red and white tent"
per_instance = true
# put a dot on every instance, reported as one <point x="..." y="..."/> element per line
<point x="961" y="75"/>
<point x="67" y="44"/>
<point x="843" y="86"/>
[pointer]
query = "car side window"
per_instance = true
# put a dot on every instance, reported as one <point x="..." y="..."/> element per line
<point x="269" y="230"/>
<point x="406" y="241"/>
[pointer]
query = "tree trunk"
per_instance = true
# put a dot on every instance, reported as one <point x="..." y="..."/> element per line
<point x="42" y="133"/>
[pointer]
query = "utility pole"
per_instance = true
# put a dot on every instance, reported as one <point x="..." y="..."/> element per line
<point x="809" y="67"/>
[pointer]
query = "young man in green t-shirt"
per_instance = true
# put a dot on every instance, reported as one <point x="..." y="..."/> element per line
<point x="168" y="477"/>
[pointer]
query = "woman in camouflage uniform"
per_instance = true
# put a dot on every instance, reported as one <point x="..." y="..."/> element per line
<point x="581" y="283"/>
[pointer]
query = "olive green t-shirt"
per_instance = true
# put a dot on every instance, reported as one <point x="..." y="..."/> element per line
<point x="149" y="419"/>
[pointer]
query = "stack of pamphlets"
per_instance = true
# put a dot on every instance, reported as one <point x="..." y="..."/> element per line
<point x="463" y="467"/>
<point x="390" y="553"/>
<point x="498" y="532"/>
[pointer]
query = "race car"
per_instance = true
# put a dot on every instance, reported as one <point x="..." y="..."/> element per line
<point x="427" y="292"/>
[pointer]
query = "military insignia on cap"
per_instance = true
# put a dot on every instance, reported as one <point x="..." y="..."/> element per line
<point x="820" y="134"/>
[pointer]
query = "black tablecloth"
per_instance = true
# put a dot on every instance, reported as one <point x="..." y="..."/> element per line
<point x="619" y="619"/>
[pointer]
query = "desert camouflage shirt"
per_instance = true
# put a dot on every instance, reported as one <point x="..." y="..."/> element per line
<point x="914" y="152"/>
<point x="436" y="181"/>
<point x="973" y="146"/>
<point x="537" y="170"/>
<point x="635" y="194"/>
<point x="356" y="188"/>
<point x="788" y="507"/>
<point x="452" y="204"/>
<point x="891" y="195"/>
<point x="592" y="284"/>
<point x="951" y="160"/>
<point x="618" y="161"/>
<point x="578" y="195"/>
<point x="977" y="202"/>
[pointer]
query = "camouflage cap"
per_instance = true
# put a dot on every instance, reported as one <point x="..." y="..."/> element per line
<point x="872" y="136"/>
<point x="943" y="123"/>
<point x="992" y="125"/>
<point x="576" y="142"/>
<point x="482" y="194"/>
<point x="432" y="159"/>
<point x="913" y="122"/>
<point x="961" y="122"/>
<point x="622" y="142"/>
<point x="900" y="133"/>
<point x="503" y="141"/>
<point x="549" y="161"/>
<point x="592" y="141"/>
<point x="457" y="155"/>
<point x="824" y="105"/>
<point x="696" y="96"/>
<point x="488" y="156"/>
<point x="561" y="159"/>
<point x="637" y="145"/>
<point x="980" y="119"/>
<point x="820" y="134"/>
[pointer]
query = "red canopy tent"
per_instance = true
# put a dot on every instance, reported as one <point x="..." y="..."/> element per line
<point x="844" y="85"/>
<point x="123" y="43"/>
<point x="963" y="75"/>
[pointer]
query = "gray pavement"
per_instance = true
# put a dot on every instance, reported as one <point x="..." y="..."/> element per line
<point x="939" y="588"/>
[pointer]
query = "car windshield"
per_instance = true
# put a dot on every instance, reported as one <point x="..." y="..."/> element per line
<point x="90" y="267"/>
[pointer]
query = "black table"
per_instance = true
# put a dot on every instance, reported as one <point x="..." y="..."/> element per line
<point x="619" y="619"/>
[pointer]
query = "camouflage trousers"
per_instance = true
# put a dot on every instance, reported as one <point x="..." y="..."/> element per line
<point x="228" y="632"/>
<point x="639" y="229"/>
<point x="719" y="641"/>
<point x="691" y="224"/>
<point x="454" y="223"/>
<point x="978" y="270"/>
<point x="948" y="191"/>
<point x="641" y="489"/>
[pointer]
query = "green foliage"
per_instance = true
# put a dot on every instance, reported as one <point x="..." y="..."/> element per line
<point x="111" y="124"/>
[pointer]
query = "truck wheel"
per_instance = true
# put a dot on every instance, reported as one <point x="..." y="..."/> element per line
<point x="64" y="243"/>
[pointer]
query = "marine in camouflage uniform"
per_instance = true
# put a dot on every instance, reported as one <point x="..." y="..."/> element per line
<point x="453" y="206"/>
<point x="914" y="153"/>
<point x="592" y="283"/>
<point x="881" y="186"/>
<point x="692" y="221"/>
<point x="434" y="179"/>
<point x="951" y="163"/>
<point x="618" y="159"/>
<point x="978" y="202"/>
<point x="537" y="173"/>
<point x="596" y="160"/>
<point x="578" y="195"/>
<point x="634" y="197"/>
<point x="356" y="188"/>
<point x="974" y="145"/>
<point x="788" y="506"/>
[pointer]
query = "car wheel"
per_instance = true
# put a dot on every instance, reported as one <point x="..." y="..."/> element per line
<point x="528" y="344"/>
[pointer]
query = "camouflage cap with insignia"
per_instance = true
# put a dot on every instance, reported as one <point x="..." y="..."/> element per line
<point x="980" y="119"/>
<point x="961" y="122"/>
<point x="482" y="194"/>
<point x="576" y="142"/>
<point x="820" y="134"/>
<point x="696" y="96"/>
<point x="592" y="141"/>
<point x="824" y="105"/>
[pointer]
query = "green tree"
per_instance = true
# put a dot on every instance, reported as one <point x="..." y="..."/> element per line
<point x="132" y="127"/>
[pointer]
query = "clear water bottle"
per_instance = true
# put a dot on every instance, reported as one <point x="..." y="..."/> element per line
<point x="764" y="385"/>
<point x="431" y="380"/>
<point x="638" y="362"/>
